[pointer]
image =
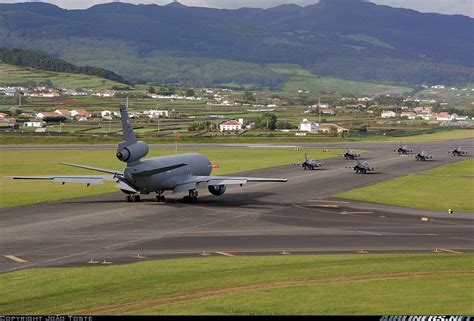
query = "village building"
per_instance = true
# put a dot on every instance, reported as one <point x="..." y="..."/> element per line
<point x="408" y="114"/>
<point x="34" y="124"/>
<point x="307" y="126"/>
<point x="231" y="125"/>
<point x="81" y="113"/>
<point x="388" y="114"/>
<point x="47" y="114"/>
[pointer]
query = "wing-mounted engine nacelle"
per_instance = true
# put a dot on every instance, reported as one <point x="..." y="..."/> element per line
<point x="133" y="152"/>
<point x="217" y="189"/>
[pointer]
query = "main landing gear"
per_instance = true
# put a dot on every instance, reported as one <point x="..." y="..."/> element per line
<point x="192" y="197"/>
<point x="132" y="198"/>
<point x="160" y="198"/>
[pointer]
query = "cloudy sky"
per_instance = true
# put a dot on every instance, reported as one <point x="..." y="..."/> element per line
<point x="465" y="7"/>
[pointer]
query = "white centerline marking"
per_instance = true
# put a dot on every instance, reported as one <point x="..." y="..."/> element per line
<point x="16" y="259"/>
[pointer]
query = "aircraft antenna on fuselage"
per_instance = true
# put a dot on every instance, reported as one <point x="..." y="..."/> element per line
<point x="127" y="129"/>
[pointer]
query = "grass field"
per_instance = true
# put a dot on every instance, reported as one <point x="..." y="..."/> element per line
<point x="45" y="162"/>
<point x="41" y="139"/>
<point x="302" y="79"/>
<point x="431" y="284"/>
<point x="13" y="74"/>
<point x="441" y="188"/>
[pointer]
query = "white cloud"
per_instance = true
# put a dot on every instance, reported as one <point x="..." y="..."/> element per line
<point x="465" y="7"/>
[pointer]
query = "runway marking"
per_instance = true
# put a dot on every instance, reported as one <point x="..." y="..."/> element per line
<point x="371" y="233"/>
<point x="16" y="259"/>
<point x="224" y="254"/>
<point x="451" y="251"/>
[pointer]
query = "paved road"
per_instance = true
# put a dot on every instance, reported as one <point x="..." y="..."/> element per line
<point x="297" y="216"/>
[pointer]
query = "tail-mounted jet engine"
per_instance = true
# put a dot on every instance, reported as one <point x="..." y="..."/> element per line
<point x="216" y="189"/>
<point x="133" y="152"/>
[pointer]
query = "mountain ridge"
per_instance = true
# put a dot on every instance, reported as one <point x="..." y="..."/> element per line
<point x="350" y="39"/>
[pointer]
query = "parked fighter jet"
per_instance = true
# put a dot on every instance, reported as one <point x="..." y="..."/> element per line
<point x="310" y="163"/>
<point x="363" y="167"/>
<point x="458" y="151"/>
<point x="178" y="173"/>
<point x="423" y="156"/>
<point x="403" y="149"/>
<point x="350" y="154"/>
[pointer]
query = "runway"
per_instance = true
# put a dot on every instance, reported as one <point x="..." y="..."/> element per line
<point x="299" y="216"/>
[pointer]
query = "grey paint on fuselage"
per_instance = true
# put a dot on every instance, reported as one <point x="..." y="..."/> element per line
<point x="196" y="165"/>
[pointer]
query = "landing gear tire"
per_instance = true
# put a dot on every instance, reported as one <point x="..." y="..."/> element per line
<point x="192" y="197"/>
<point x="132" y="198"/>
<point x="160" y="198"/>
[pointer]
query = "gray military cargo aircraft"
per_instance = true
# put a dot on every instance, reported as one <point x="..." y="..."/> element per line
<point x="178" y="173"/>
<point x="423" y="156"/>
<point x="310" y="163"/>
<point x="458" y="151"/>
<point x="350" y="154"/>
<point x="363" y="167"/>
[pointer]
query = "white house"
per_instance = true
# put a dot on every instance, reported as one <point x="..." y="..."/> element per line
<point x="34" y="124"/>
<point x="50" y="95"/>
<point x="231" y="125"/>
<point x="45" y="114"/>
<point x="153" y="113"/>
<point x="106" y="114"/>
<point x="307" y="126"/>
<point x="408" y="114"/>
<point x="388" y="114"/>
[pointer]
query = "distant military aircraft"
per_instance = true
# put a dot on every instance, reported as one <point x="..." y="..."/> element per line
<point x="363" y="167"/>
<point x="403" y="149"/>
<point x="423" y="156"/>
<point x="350" y="154"/>
<point x="310" y="163"/>
<point x="458" y="151"/>
<point x="178" y="173"/>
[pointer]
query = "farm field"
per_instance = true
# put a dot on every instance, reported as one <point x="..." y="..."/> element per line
<point x="14" y="74"/>
<point x="400" y="284"/>
<point x="302" y="79"/>
<point x="448" y="186"/>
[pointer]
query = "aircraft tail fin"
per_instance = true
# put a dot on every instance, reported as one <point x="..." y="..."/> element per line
<point x="306" y="157"/>
<point x="127" y="129"/>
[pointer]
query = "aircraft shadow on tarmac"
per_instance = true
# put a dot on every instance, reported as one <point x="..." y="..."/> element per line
<point x="226" y="201"/>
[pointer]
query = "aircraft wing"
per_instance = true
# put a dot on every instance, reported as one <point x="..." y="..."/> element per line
<point x="235" y="180"/>
<point x="82" y="179"/>
<point x="193" y="181"/>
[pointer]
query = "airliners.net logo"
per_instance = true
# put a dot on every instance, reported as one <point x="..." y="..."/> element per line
<point x="425" y="318"/>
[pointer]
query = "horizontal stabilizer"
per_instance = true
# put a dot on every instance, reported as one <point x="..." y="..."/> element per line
<point x="108" y="171"/>
<point x="92" y="179"/>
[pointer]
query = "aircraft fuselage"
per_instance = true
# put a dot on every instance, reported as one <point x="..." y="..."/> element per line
<point x="196" y="165"/>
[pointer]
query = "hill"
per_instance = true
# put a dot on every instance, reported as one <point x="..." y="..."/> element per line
<point x="14" y="75"/>
<point x="42" y="61"/>
<point x="350" y="39"/>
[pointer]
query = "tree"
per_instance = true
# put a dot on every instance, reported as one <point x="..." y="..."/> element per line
<point x="190" y="92"/>
<point x="267" y="121"/>
<point x="151" y="90"/>
<point x="248" y="96"/>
